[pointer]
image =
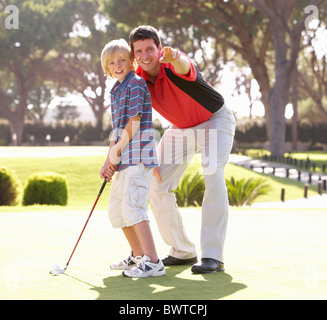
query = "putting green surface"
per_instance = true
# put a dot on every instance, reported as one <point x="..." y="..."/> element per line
<point x="269" y="254"/>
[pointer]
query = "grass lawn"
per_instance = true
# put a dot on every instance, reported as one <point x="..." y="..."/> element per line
<point x="81" y="167"/>
<point x="269" y="254"/>
<point x="317" y="157"/>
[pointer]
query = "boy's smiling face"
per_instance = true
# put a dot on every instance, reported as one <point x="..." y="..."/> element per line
<point x="119" y="66"/>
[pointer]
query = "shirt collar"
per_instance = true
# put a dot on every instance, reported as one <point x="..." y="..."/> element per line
<point x="122" y="86"/>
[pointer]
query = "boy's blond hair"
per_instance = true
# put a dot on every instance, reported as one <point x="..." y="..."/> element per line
<point x="111" y="49"/>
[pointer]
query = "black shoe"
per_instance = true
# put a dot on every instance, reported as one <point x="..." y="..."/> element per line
<point x="171" y="261"/>
<point x="208" y="265"/>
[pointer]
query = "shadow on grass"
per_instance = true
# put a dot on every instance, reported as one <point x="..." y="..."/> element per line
<point x="178" y="284"/>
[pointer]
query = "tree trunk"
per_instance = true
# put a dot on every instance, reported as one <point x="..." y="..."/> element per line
<point x="278" y="99"/>
<point x="286" y="42"/>
<point x="16" y="131"/>
<point x="295" y="113"/>
<point x="277" y="121"/>
<point x="15" y="118"/>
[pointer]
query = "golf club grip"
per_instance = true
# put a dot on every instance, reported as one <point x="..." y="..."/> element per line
<point x="102" y="187"/>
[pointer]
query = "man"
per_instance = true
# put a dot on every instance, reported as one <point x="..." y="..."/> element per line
<point x="199" y="118"/>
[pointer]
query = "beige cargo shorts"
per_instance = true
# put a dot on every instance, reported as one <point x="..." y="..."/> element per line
<point x="128" y="201"/>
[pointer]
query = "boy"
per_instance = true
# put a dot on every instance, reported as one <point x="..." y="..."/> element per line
<point x="132" y="154"/>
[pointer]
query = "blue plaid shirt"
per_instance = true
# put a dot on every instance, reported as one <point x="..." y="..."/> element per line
<point x="128" y="99"/>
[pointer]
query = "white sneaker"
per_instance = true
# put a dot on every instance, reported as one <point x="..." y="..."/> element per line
<point x="146" y="268"/>
<point x="126" y="264"/>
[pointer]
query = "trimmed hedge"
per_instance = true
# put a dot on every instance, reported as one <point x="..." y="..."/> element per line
<point x="256" y="132"/>
<point x="10" y="188"/>
<point x="79" y="133"/>
<point x="46" y="188"/>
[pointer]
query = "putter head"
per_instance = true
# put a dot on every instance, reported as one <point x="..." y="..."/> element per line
<point x="56" y="270"/>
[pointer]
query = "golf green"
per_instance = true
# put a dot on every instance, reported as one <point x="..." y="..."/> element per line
<point x="269" y="254"/>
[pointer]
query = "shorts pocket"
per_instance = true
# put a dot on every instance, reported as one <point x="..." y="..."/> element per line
<point x="138" y="192"/>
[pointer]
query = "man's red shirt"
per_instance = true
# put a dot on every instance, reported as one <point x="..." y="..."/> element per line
<point x="184" y="100"/>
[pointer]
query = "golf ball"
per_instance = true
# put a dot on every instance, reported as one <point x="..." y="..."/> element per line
<point x="55" y="270"/>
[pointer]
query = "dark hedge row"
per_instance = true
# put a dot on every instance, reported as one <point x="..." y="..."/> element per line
<point x="83" y="133"/>
<point x="41" y="134"/>
<point x="313" y="133"/>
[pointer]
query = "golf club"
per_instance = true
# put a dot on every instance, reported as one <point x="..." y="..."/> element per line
<point x="56" y="269"/>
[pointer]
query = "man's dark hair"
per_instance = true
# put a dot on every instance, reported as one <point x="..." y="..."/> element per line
<point x="143" y="33"/>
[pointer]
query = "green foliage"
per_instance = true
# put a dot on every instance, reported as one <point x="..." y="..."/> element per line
<point x="241" y="192"/>
<point x="46" y="188"/>
<point x="4" y="133"/>
<point x="190" y="190"/>
<point x="246" y="132"/>
<point x="245" y="191"/>
<point x="9" y="188"/>
<point x="251" y="131"/>
<point x="71" y="161"/>
<point x="41" y="26"/>
<point x="79" y="133"/>
<point x="44" y="26"/>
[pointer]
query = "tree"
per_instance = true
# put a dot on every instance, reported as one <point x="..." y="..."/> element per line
<point x="38" y="101"/>
<point x="266" y="34"/>
<point x="210" y="55"/>
<point x="66" y="112"/>
<point x="245" y="84"/>
<point x="313" y="69"/>
<point x="286" y="37"/>
<point x="23" y="52"/>
<point x="80" y="67"/>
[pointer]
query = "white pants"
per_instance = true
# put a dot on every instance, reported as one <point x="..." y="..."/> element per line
<point x="175" y="151"/>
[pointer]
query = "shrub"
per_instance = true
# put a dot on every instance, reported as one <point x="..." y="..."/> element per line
<point x="190" y="190"/>
<point x="244" y="192"/>
<point x="10" y="188"/>
<point x="45" y="188"/>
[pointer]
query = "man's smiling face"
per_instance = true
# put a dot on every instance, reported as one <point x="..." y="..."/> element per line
<point x="147" y="55"/>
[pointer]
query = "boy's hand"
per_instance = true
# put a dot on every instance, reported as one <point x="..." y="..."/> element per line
<point x="107" y="172"/>
<point x="170" y="55"/>
<point x="156" y="172"/>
